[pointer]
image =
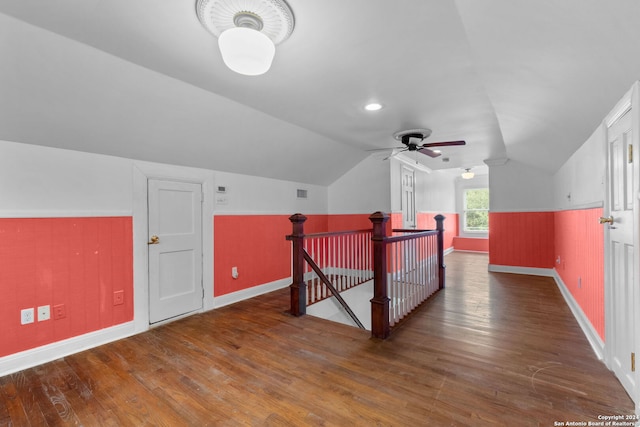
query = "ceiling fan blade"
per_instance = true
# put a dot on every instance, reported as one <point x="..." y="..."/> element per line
<point x="443" y="144"/>
<point x="430" y="153"/>
<point x="395" y="154"/>
<point x="385" y="149"/>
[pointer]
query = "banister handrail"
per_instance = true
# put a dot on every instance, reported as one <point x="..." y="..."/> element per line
<point x="412" y="236"/>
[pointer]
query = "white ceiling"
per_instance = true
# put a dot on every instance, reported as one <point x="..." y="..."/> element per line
<point x="527" y="80"/>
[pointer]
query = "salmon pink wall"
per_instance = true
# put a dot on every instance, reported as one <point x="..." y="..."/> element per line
<point x="77" y="262"/>
<point x="395" y="221"/>
<point x="521" y="239"/>
<point x="426" y="221"/>
<point x="473" y="244"/>
<point x="579" y="244"/>
<point x="348" y="222"/>
<point x="256" y="245"/>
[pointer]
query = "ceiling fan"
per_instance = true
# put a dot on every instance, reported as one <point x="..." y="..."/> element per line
<point x="412" y="139"/>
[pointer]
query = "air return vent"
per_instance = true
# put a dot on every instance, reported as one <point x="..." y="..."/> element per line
<point x="302" y="194"/>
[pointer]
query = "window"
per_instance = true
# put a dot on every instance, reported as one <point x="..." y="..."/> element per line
<point x="476" y="210"/>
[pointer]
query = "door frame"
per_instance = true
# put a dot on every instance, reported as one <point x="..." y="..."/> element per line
<point x="142" y="173"/>
<point x="629" y="101"/>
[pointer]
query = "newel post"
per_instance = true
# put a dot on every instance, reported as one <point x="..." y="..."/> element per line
<point x="441" y="267"/>
<point x="298" y="286"/>
<point x="380" y="300"/>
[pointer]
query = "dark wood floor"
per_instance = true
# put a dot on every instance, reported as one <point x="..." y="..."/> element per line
<point x="491" y="349"/>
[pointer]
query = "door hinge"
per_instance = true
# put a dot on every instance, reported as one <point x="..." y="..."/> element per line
<point x="633" y="362"/>
<point x="630" y="154"/>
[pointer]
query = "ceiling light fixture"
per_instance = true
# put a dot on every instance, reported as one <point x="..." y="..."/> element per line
<point x="467" y="174"/>
<point x="247" y="31"/>
<point x="374" y="106"/>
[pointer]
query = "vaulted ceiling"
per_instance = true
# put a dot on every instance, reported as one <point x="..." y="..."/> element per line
<point x="519" y="79"/>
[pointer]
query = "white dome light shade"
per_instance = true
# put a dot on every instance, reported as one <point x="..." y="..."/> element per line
<point x="246" y="51"/>
<point x="467" y="174"/>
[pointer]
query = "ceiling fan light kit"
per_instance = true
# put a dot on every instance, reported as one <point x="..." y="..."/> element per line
<point x="247" y="30"/>
<point x="467" y="174"/>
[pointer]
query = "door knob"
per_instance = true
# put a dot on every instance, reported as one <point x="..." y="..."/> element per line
<point x="154" y="240"/>
<point x="605" y="220"/>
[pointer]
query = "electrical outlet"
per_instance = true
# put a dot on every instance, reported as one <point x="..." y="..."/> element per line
<point x="44" y="313"/>
<point x="118" y="297"/>
<point x="59" y="311"/>
<point x="234" y="272"/>
<point x="26" y="316"/>
<point x="579" y="282"/>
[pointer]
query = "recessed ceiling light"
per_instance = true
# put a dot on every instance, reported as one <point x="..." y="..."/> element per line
<point x="374" y="106"/>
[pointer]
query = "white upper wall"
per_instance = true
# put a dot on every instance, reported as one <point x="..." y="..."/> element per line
<point x="579" y="183"/>
<point x="40" y="181"/>
<point x="435" y="192"/>
<point x="516" y="187"/>
<point x="48" y="182"/>
<point x="247" y="194"/>
<point x="363" y="189"/>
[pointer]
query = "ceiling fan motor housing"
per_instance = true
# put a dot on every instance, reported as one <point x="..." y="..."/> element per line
<point x="405" y="136"/>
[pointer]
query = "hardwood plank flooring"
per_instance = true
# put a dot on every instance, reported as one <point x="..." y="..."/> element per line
<point x="491" y="349"/>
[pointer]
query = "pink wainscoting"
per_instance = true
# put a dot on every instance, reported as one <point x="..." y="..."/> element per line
<point x="77" y="262"/>
<point x="256" y="245"/>
<point x="426" y="221"/>
<point x="521" y="239"/>
<point x="579" y="245"/>
<point x="471" y="244"/>
<point x="341" y="222"/>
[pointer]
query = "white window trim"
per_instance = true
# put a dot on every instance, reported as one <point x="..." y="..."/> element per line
<point x="463" y="231"/>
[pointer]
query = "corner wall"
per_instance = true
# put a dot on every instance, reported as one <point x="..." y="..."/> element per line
<point x="579" y="194"/>
<point x="549" y="225"/>
<point x="520" y="217"/>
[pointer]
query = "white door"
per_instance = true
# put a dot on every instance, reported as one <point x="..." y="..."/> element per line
<point x="408" y="198"/>
<point x="175" y="249"/>
<point x="619" y="237"/>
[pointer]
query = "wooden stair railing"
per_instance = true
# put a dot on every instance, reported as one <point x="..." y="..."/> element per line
<point x="380" y="312"/>
<point x="299" y="284"/>
<point x="411" y="262"/>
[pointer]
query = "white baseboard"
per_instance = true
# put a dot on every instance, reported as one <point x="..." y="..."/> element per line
<point x="238" y="296"/>
<point x="587" y="328"/>
<point x="46" y="353"/>
<point x="531" y="271"/>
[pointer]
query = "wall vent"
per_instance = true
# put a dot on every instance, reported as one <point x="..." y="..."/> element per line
<point x="302" y="194"/>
